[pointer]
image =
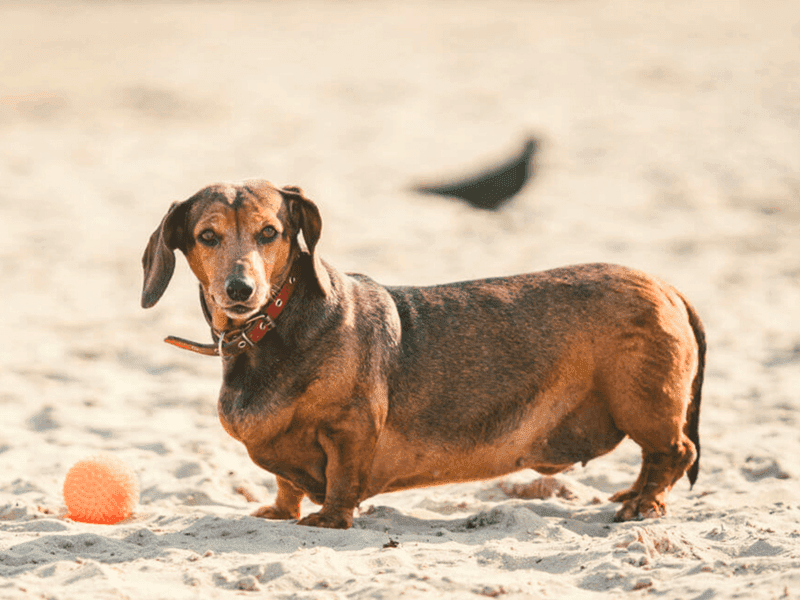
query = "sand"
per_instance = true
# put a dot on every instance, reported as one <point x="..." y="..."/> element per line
<point x="670" y="142"/>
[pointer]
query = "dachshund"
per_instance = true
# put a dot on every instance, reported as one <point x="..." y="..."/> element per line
<point x="344" y="388"/>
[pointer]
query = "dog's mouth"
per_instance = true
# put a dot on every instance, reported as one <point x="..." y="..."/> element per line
<point x="242" y="310"/>
<point x="239" y="311"/>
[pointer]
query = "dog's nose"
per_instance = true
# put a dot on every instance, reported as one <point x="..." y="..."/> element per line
<point x="239" y="288"/>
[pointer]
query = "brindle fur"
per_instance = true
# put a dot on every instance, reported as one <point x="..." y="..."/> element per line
<point x="363" y="388"/>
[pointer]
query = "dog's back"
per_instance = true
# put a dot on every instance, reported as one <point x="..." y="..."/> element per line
<point x="475" y="355"/>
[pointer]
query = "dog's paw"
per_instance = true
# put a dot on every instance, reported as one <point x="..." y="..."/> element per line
<point x="640" y="508"/>
<point x="331" y="521"/>
<point x="273" y="512"/>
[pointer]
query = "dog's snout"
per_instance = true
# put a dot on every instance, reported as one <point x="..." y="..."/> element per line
<point x="239" y="287"/>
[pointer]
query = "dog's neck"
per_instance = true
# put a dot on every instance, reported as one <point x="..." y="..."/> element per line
<point x="231" y="341"/>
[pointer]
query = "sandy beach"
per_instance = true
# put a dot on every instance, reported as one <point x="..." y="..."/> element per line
<point x="670" y="142"/>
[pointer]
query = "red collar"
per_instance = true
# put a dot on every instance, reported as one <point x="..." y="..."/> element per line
<point x="235" y="341"/>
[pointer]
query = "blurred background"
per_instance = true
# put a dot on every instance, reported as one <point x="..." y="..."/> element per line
<point x="669" y="141"/>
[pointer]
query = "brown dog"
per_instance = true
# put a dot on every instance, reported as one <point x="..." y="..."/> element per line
<point x="344" y="388"/>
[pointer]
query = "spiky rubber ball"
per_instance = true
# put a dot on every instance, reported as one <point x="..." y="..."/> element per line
<point x="100" y="489"/>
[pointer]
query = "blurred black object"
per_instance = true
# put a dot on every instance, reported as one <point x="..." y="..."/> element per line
<point x="490" y="189"/>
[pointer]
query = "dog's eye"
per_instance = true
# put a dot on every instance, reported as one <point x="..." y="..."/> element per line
<point x="267" y="234"/>
<point x="208" y="238"/>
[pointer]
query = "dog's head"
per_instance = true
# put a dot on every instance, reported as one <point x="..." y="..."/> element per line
<point x="239" y="240"/>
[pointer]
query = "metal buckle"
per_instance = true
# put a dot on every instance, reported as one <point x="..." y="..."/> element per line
<point x="245" y="341"/>
<point x="265" y="325"/>
<point x="263" y="322"/>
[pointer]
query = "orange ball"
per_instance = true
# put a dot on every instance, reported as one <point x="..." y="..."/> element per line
<point x="100" y="489"/>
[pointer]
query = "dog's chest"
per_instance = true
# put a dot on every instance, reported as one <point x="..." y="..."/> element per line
<point x="258" y="395"/>
<point x="276" y="439"/>
<point x="251" y="416"/>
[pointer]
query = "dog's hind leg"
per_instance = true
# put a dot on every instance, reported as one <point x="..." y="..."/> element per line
<point x="650" y="401"/>
<point x="660" y="470"/>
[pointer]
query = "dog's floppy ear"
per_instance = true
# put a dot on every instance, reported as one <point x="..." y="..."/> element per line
<point x="158" y="260"/>
<point x="306" y="214"/>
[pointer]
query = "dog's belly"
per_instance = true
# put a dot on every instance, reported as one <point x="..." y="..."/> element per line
<point x="553" y="436"/>
<point x="399" y="465"/>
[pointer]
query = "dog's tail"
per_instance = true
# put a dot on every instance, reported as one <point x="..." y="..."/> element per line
<point x="693" y="416"/>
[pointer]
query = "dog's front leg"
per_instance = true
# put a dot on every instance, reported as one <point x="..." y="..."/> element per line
<point x="349" y="456"/>
<point x="287" y="502"/>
